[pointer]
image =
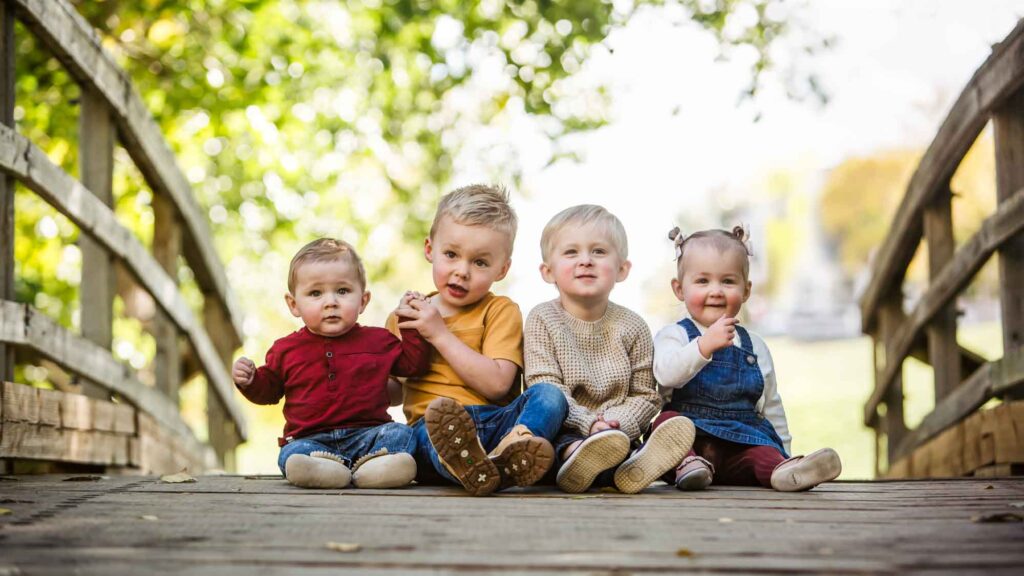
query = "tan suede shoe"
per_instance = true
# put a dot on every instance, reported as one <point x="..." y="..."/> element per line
<point x="318" y="470"/>
<point x="384" y="470"/>
<point x="522" y="458"/>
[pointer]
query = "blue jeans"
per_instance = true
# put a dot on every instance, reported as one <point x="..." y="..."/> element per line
<point x="351" y="444"/>
<point x="541" y="408"/>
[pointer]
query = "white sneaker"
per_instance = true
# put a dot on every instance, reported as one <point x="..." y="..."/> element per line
<point x="594" y="455"/>
<point x="318" y="470"/>
<point x="383" y="470"/>
<point x="805" y="472"/>
<point x="663" y="451"/>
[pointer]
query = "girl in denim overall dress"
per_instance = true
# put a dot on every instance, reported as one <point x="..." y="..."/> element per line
<point x="724" y="384"/>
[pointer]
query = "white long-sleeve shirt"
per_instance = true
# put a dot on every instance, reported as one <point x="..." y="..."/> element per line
<point x="677" y="360"/>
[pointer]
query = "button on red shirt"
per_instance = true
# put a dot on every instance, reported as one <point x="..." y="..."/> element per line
<point x="336" y="382"/>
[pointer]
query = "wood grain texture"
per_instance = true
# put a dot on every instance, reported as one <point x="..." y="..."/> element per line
<point x="237" y="525"/>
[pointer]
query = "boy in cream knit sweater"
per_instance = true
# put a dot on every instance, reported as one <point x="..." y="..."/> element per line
<point x="599" y="354"/>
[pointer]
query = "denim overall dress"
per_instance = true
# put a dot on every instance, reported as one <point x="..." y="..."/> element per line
<point x="721" y="399"/>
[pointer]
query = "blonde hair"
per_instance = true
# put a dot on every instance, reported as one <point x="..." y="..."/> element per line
<point x="582" y="215"/>
<point x="478" y="205"/>
<point x="326" y="250"/>
<point x="720" y="240"/>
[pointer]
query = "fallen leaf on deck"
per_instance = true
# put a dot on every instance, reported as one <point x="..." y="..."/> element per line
<point x="149" y="517"/>
<point x="344" y="546"/>
<point x="997" y="518"/>
<point x="5" y="511"/>
<point x="90" y="478"/>
<point x="182" y="476"/>
<point x="685" y="553"/>
<point x="1017" y="504"/>
<point x="725" y="520"/>
<point x="989" y="487"/>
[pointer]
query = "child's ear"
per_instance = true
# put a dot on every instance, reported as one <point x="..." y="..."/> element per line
<point x="428" y="251"/>
<point x="677" y="289"/>
<point x="624" y="269"/>
<point x="365" y="301"/>
<point x="292" y="306"/>
<point x="746" y="293"/>
<point x="545" y="273"/>
<point x="504" y="270"/>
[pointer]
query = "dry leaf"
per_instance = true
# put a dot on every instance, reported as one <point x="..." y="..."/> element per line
<point x="149" y="517"/>
<point x="182" y="476"/>
<point x="998" y="517"/>
<point x="5" y="511"/>
<point x="344" y="546"/>
<point x="1017" y="504"/>
<point x="685" y="553"/>
<point x="725" y="520"/>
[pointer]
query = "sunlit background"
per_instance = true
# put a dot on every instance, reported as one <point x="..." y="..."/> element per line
<point x="290" y="131"/>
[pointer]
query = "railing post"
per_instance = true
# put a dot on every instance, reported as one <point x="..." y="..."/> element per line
<point x="166" y="250"/>
<point x="943" y="350"/>
<point x="890" y="317"/>
<point x="223" y="433"/>
<point x="6" y="182"/>
<point x="99" y="277"/>
<point x="1008" y="124"/>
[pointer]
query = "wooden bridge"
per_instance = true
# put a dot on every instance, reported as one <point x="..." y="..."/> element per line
<point x="110" y="435"/>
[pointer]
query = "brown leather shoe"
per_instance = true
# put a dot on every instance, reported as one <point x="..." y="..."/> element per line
<point x="453" y="434"/>
<point x="522" y="458"/>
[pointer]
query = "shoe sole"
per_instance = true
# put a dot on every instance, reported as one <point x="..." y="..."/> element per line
<point x="525" y="462"/>
<point x="453" y="434"/>
<point x="595" y="455"/>
<point x="817" y="467"/>
<point x="665" y="450"/>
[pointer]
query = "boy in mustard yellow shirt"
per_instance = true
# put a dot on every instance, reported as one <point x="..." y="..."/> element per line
<point x="466" y="428"/>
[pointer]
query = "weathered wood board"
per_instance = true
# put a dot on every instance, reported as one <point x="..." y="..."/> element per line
<point x="246" y="525"/>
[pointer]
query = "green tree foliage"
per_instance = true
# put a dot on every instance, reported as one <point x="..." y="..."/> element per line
<point x="293" y="119"/>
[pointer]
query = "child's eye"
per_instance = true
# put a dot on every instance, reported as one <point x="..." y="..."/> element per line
<point x="702" y="281"/>
<point x="600" y="251"/>
<point x="314" y="293"/>
<point x="449" y="254"/>
<point x="570" y="252"/>
<point x="480" y="263"/>
<point x="343" y="291"/>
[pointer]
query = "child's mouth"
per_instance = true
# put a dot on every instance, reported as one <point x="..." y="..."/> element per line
<point x="457" y="291"/>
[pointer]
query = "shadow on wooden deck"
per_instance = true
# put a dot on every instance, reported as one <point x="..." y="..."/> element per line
<point x="262" y="525"/>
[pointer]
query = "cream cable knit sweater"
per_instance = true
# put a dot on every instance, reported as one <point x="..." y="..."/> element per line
<point x="604" y="367"/>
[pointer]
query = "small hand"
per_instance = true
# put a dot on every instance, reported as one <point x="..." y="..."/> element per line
<point x="243" y="372"/>
<point x="601" y="425"/>
<point x="718" y="336"/>
<point x="424" y="317"/>
<point x="403" y="309"/>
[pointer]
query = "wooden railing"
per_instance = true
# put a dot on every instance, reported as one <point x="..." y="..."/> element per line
<point x="963" y="380"/>
<point x="112" y="110"/>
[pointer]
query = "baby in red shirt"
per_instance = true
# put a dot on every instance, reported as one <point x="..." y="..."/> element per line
<point x="333" y="375"/>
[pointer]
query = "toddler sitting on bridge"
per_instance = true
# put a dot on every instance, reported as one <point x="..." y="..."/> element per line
<point x="333" y="375"/>
<point x="727" y="387"/>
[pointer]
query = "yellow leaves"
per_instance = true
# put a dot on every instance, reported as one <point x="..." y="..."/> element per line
<point x="346" y="547"/>
<point x="178" y="478"/>
<point x="165" y="31"/>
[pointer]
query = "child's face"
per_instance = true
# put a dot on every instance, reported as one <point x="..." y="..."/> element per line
<point x="584" y="265"/>
<point x="328" y="296"/>
<point x="466" y="261"/>
<point x="712" y="284"/>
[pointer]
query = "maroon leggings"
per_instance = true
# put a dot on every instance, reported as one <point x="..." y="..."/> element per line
<point x="735" y="464"/>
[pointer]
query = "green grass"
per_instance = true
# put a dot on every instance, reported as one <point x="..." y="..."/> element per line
<point x="824" y="386"/>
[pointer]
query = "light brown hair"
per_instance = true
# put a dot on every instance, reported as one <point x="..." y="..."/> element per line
<point x="720" y="240"/>
<point x="479" y="205"/>
<point x="582" y="215"/>
<point x="326" y="250"/>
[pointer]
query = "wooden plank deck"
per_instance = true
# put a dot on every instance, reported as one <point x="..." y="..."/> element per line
<point x="262" y="525"/>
